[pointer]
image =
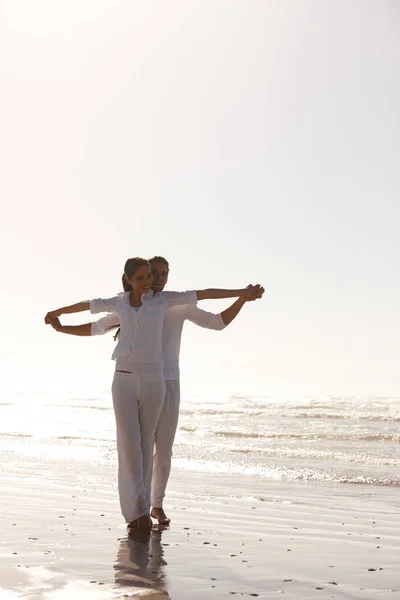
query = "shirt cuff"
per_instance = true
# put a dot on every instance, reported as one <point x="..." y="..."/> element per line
<point x="94" y="328"/>
<point x="221" y="323"/>
<point x="96" y="306"/>
<point x="192" y="297"/>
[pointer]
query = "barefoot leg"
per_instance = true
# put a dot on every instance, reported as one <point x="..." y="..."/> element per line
<point x="159" y="514"/>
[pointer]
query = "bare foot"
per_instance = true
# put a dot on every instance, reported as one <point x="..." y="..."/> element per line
<point x="143" y="523"/>
<point x="159" y="514"/>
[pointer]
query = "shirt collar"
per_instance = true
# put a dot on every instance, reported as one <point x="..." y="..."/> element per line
<point x="145" y="297"/>
<point x="148" y="296"/>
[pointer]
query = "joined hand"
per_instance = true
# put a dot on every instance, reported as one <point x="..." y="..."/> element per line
<point x="54" y="321"/>
<point x="253" y="292"/>
<point x="51" y="315"/>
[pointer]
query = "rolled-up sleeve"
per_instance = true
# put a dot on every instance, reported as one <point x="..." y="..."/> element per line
<point x="179" y="298"/>
<point x="99" y="305"/>
<point x="205" y="319"/>
<point x="104" y="325"/>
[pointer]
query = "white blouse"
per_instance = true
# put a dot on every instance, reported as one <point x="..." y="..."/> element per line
<point x="172" y="332"/>
<point x="140" y="340"/>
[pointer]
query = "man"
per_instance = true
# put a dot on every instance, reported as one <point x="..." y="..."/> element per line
<point x="172" y="332"/>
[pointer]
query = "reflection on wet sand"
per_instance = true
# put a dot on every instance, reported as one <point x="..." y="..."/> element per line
<point x="140" y="563"/>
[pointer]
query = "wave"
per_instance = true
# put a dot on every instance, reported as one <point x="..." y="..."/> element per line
<point x="16" y="435"/>
<point x="282" y="414"/>
<point x="220" y="411"/>
<point x="56" y="437"/>
<point x="278" y="473"/>
<point x="350" y="416"/>
<point x="82" y="438"/>
<point x="309" y="436"/>
<point x="79" y="406"/>
<point x="329" y="456"/>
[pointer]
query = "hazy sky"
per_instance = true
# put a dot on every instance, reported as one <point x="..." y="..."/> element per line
<point x="245" y="140"/>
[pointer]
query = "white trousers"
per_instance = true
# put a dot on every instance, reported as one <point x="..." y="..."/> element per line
<point x="164" y="440"/>
<point x="138" y="400"/>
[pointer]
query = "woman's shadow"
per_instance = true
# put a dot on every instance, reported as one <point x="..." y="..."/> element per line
<point x="140" y="563"/>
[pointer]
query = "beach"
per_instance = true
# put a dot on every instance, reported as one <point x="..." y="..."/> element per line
<point x="228" y="536"/>
<point x="250" y="143"/>
<point x="235" y="531"/>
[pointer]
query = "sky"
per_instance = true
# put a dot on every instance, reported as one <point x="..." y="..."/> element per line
<point x="247" y="142"/>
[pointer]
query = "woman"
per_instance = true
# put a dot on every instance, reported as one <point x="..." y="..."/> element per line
<point x="138" y="388"/>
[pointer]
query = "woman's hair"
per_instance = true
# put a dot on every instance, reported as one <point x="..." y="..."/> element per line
<point x="131" y="266"/>
<point x="127" y="286"/>
<point x="160" y="259"/>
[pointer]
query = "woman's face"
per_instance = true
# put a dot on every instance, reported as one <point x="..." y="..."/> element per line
<point x="141" y="281"/>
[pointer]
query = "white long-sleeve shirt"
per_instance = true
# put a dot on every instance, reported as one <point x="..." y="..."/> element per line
<point x="171" y="333"/>
<point x="141" y="339"/>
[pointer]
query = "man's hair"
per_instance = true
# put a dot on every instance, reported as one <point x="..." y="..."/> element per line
<point x="160" y="259"/>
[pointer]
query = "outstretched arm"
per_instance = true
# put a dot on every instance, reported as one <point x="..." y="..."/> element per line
<point x="232" y="311"/>
<point x="100" y="327"/>
<point x="67" y="310"/>
<point x="95" y="306"/>
<point x="250" y="293"/>
<point x="180" y="298"/>
<point x="81" y="330"/>
<point x="215" y="321"/>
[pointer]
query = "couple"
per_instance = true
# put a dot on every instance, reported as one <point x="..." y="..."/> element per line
<point x="146" y="389"/>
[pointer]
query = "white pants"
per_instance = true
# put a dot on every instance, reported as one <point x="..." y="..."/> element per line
<point x="164" y="440"/>
<point x="137" y="399"/>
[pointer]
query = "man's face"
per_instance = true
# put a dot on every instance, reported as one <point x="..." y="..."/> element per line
<point x="160" y="276"/>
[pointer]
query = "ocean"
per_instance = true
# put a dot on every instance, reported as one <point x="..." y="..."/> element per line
<point x="353" y="440"/>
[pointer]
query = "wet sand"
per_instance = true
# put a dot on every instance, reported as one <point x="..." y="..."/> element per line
<point x="230" y="536"/>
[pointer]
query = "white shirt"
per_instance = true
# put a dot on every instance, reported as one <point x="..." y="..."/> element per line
<point x="171" y="333"/>
<point x="140" y="340"/>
